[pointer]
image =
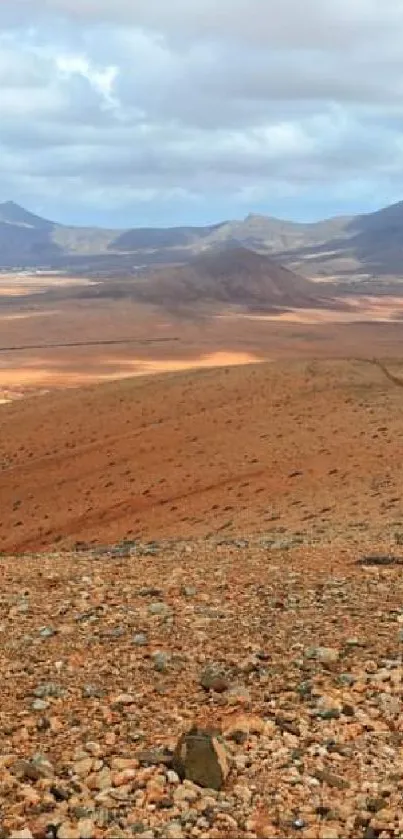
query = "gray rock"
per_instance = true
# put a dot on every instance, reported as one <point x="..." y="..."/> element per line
<point x="328" y="714"/>
<point x="92" y="692"/>
<point x="159" y="608"/>
<point x="39" y="705"/>
<point x="114" y="634"/>
<point x="49" y="689"/>
<point x="140" y="639"/>
<point x="346" y="679"/>
<point x="188" y="591"/>
<point x="47" y="632"/>
<point x="160" y="661"/>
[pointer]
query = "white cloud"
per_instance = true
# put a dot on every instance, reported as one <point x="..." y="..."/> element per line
<point x="200" y="101"/>
<point x="101" y="80"/>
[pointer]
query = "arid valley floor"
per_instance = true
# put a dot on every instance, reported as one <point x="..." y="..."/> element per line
<point x="237" y="513"/>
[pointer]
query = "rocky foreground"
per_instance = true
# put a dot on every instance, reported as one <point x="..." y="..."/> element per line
<point x="288" y="662"/>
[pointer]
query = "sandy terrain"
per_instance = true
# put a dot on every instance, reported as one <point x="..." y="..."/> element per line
<point x="361" y="309"/>
<point x="23" y="283"/>
<point x="81" y="342"/>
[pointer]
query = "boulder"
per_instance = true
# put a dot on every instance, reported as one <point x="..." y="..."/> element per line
<point x="201" y="757"/>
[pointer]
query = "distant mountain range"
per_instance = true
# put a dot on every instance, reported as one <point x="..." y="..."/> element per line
<point x="353" y="248"/>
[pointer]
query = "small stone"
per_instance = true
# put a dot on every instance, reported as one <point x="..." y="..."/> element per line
<point x="124" y="699"/>
<point x="346" y="679"/>
<point x="114" y="634"/>
<point x="140" y="639"/>
<point x="331" y="779"/>
<point x="159" y="608"/>
<point x="39" y="705"/>
<point x="348" y="710"/>
<point x="326" y="655"/>
<point x="189" y="591"/>
<point x="328" y="713"/>
<point x="160" y="661"/>
<point x="92" y="692"/>
<point x="353" y="642"/>
<point x="200" y="757"/>
<point x="49" y="689"/>
<point x="47" y="632"/>
<point x="172" y="777"/>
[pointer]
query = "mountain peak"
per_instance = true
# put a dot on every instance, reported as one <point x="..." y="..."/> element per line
<point x="12" y="213"/>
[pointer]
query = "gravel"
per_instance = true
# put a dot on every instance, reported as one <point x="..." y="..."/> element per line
<point x="291" y="661"/>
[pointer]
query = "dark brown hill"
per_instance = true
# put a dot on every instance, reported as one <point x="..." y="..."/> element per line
<point x="236" y="276"/>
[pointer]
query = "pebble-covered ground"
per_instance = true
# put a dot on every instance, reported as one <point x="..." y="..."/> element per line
<point x="293" y="657"/>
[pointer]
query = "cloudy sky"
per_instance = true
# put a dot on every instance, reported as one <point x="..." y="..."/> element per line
<point x="159" y="112"/>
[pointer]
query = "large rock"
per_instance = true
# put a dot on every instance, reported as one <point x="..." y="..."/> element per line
<point x="214" y="678"/>
<point x="201" y="757"/>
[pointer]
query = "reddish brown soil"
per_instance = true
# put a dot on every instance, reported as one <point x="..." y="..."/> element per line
<point x="310" y="448"/>
<point x="152" y="340"/>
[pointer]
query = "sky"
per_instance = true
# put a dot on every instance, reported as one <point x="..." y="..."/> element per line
<point x="162" y="112"/>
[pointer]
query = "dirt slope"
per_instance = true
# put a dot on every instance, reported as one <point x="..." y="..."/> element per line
<point x="305" y="450"/>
